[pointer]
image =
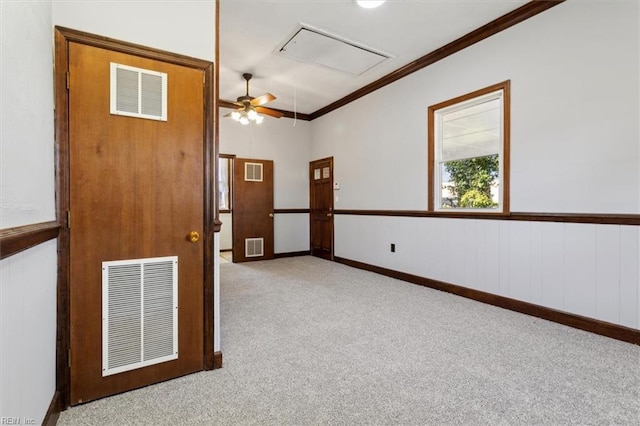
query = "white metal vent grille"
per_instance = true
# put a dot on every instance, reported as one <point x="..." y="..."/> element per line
<point x="139" y="313"/>
<point x="253" y="172"/>
<point x="136" y="92"/>
<point x="254" y="247"/>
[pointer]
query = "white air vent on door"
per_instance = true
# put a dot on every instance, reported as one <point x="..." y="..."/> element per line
<point x="136" y="92"/>
<point x="139" y="313"/>
<point x="254" y="247"/>
<point x="253" y="172"/>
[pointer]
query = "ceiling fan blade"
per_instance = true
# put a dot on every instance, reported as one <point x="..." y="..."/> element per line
<point x="262" y="99"/>
<point x="268" y="111"/>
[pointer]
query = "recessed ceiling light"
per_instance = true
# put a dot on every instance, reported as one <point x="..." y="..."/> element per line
<point x="369" y="4"/>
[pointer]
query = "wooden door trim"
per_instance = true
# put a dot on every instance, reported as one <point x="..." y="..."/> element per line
<point x="64" y="36"/>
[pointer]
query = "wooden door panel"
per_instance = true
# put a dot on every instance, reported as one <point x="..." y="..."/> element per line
<point x="136" y="191"/>
<point x="252" y="209"/>
<point x="321" y="207"/>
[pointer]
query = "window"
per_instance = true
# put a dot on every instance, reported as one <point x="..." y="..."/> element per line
<point x="225" y="165"/>
<point x="469" y="152"/>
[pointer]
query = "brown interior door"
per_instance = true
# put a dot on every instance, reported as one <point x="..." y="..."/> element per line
<point x="136" y="192"/>
<point x="252" y="209"/>
<point x="321" y="207"/>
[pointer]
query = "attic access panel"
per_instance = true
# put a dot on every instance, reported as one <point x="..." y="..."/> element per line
<point x="314" y="46"/>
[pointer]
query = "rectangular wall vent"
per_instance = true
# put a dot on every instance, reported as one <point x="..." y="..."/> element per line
<point x="315" y="46"/>
<point x="253" y="172"/>
<point x="254" y="247"/>
<point x="136" y="92"/>
<point x="139" y="313"/>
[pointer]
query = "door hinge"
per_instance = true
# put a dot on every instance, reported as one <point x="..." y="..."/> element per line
<point x="68" y="80"/>
<point x="68" y="219"/>
<point x="69" y="357"/>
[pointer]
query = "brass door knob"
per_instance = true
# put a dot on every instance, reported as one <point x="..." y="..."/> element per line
<point x="329" y="215"/>
<point x="194" y="237"/>
<point x="270" y="214"/>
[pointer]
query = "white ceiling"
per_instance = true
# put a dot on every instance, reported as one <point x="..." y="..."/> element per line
<point x="252" y="30"/>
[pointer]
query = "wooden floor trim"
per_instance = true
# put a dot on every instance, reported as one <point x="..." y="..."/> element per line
<point x="603" y="328"/>
<point x="291" y="254"/>
<point x="51" y="418"/>
<point x="217" y="360"/>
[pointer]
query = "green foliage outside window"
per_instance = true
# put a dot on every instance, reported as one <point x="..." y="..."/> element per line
<point x="471" y="181"/>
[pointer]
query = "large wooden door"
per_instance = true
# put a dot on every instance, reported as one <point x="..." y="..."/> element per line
<point x="252" y="209"/>
<point x="136" y="192"/>
<point x="321" y="207"/>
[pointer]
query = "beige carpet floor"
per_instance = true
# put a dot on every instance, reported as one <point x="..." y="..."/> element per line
<point x="310" y="342"/>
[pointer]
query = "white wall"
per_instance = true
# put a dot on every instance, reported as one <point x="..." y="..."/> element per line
<point x="226" y="236"/>
<point x="289" y="147"/>
<point x="574" y="126"/>
<point x="26" y="176"/>
<point x="27" y="279"/>
<point x="575" y="142"/>
<point x="179" y="26"/>
<point x="28" y="332"/>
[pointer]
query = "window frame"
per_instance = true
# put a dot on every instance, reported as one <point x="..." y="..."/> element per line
<point x="229" y="158"/>
<point x="504" y="156"/>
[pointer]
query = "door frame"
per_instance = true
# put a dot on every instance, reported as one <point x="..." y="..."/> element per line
<point x="332" y="208"/>
<point x="64" y="36"/>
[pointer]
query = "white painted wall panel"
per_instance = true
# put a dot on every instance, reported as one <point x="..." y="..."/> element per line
<point x="226" y="234"/>
<point x="469" y="252"/>
<point x="504" y="267"/>
<point x="607" y="272"/>
<point x="629" y="279"/>
<point x="580" y="269"/>
<point x="345" y="230"/>
<point x="28" y="332"/>
<point x="440" y="238"/>
<point x="291" y="232"/>
<point x="520" y="260"/>
<point x="217" y="335"/>
<point x="455" y="255"/>
<point x="492" y="251"/>
<point x="535" y="260"/>
<point x="553" y="258"/>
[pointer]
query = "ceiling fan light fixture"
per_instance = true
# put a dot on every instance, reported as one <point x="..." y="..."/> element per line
<point x="369" y="4"/>
<point x="247" y="115"/>
<point x="248" y="106"/>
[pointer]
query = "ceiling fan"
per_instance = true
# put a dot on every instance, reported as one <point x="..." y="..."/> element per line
<point x="250" y="108"/>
